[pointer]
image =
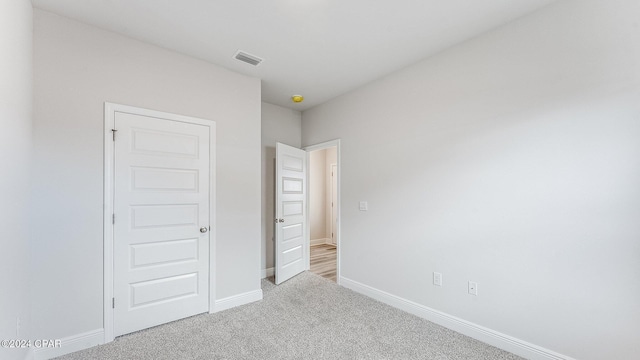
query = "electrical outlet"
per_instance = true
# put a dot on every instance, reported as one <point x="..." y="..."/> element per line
<point x="437" y="279"/>
<point x="364" y="206"/>
<point x="473" y="288"/>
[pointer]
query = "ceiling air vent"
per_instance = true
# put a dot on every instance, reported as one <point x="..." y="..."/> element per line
<point x="248" y="58"/>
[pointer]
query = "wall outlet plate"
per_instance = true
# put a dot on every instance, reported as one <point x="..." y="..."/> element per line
<point x="364" y="206"/>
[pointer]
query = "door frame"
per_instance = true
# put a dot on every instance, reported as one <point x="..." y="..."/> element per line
<point x="334" y="206"/>
<point x="110" y="110"/>
<point x="321" y="146"/>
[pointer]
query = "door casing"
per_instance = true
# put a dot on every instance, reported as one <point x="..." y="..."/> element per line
<point x="110" y="110"/>
<point x="334" y="204"/>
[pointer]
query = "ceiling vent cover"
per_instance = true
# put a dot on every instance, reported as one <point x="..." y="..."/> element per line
<point x="248" y="58"/>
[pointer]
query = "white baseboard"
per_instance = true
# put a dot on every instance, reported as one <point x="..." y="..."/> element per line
<point x="71" y="344"/>
<point x="96" y="337"/>
<point x="492" y="337"/>
<point x="319" y="241"/>
<point x="267" y="272"/>
<point x="237" y="300"/>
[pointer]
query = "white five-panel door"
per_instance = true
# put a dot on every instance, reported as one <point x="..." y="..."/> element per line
<point x="291" y="206"/>
<point x="161" y="225"/>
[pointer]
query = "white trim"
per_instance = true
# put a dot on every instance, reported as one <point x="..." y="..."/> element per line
<point x="237" y="300"/>
<point x="109" y="152"/>
<point x="334" y="210"/>
<point x="489" y="336"/>
<point x="267" y="272"/>
<point x="320" y="241"/>
<point x="308" y="149"/>
<point x="71" y="344"/>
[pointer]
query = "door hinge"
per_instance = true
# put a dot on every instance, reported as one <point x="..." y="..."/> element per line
<point x="113" y="303"/>
<point x="113" y="219"/>
<point x="114" y="133"/>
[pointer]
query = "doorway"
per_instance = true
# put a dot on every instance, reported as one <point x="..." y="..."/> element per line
<point x="323" y="210"/>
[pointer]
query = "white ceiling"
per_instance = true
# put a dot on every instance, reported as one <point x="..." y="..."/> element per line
<point x="318" y="48"/>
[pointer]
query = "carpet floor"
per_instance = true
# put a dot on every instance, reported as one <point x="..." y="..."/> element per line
<point x="307" y="317"/>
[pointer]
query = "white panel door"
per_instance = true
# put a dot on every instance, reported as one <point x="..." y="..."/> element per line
<point x="161" y="227"/>
<point x="291" y="204"/>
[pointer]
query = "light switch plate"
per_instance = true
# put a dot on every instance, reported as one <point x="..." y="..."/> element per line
<point x="437" y="278"/>
<point x="473" y="288"/>
<point x="364" y="206"/>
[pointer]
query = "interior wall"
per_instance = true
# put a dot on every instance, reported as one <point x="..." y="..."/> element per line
<point x="511" y="160"/>
<point x="282" y="125"/>
<point x="16" y="92"/>
<point x="79" y="67"/>
<point x="318" y="196"/>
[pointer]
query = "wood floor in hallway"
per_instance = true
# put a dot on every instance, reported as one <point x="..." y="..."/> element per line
<point x="324" y="260"/>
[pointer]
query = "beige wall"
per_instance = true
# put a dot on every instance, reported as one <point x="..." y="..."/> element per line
<point x="512" y="160"/>
<point x="78" y="68"/>
<point x="282" y="125"/>
<point x="318" y="196"/>
<point x="16" y="76"/>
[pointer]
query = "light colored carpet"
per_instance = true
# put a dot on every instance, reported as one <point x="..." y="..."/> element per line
<point x="307" y="317"/>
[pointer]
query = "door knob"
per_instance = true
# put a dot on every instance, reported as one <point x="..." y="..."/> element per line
<point x="281" y="220"/>
<point x="203" y="229"/>
<point x="278" y="220"/>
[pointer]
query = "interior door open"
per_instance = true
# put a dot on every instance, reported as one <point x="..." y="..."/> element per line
<point x="291" y="205"/>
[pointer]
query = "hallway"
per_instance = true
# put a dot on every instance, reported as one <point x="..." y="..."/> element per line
<point x="323" y="261"/>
